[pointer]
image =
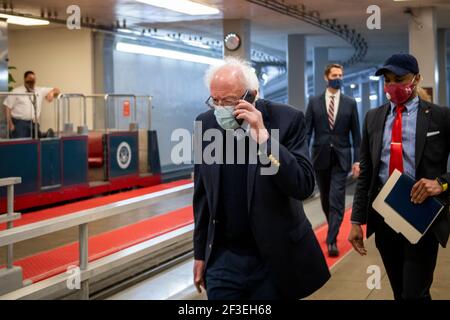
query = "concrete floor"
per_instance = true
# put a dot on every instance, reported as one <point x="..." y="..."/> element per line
<point x="349" y="278"/>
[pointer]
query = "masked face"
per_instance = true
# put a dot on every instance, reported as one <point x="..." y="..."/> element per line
<point x="399" y="93"/>
<point x="225" y="118"/>
<point x="30" y="83"/>
<point x="335" y="83"/>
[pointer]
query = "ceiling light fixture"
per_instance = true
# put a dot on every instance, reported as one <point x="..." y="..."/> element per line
<point x="23" y="21"/>
<point x="165" y="53"/>
<point x="183" y="6"/>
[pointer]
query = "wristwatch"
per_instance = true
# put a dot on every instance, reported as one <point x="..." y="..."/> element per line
<point x="442" y="183"/>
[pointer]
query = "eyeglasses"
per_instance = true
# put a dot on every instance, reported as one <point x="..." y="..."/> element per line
<point x="214" y="103"/>
<point x="228" y="101"/>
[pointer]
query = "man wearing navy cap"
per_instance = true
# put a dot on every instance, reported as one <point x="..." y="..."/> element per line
<point x="412" y="136"/>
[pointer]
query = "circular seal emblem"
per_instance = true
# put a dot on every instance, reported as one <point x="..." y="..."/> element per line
<point x="123" y="155"/>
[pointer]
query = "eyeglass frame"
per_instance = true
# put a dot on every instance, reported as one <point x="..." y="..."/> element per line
<point x="246" y="97"/>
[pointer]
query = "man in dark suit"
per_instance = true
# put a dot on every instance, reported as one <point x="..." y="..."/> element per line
<point x="332" y="117"/>
<point x="252" y="239"/>
<point x="413" y="136"/>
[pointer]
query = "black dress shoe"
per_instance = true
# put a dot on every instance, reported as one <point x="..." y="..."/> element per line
<point x="333" y="250"/>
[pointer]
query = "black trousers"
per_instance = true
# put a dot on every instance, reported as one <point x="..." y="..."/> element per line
<point x="24" y="129"/>
<point x="409" y="267"/>
<point x="331" y="183"/>
<point x="233" y="276"/>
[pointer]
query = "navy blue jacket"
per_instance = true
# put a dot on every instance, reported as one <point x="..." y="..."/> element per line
<point x="432" y="153"/>
<point x="283" y="234"/>
<point x="347" y="121"/>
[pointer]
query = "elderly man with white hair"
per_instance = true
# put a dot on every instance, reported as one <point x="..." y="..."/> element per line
<point x="252" y="239"/>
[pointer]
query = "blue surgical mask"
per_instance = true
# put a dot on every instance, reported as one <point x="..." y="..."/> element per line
<point x="225" y="117"/>
<point x="335" y="83"/>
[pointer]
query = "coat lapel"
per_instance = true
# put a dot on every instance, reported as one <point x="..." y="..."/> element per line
<point x="379" y="131"/>
<point x="214" y="176"/>
<point x="423" y="122"/>
<point x="261" y="105"/>
<point x="323" y="109"/>
<point x="339" y="110"/>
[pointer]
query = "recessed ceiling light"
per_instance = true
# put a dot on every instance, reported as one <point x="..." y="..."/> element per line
<point x="23" y="21"/>
<point x="166" y="53"/>
<point x="183" y="6"/>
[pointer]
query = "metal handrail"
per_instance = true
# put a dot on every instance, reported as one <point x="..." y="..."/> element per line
<point x="67" y="97"/>
<point x="29" y="94"/>
<point x="104" y="96"/>
<point x="10" y="216"/>
<point x="150" y="107"/>
<point x="118" y="95"/>
<point x="81" y="219"/>
<point x="45" y="227"/>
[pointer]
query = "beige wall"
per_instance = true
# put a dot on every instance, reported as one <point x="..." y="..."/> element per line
<point x="60" y="58"/>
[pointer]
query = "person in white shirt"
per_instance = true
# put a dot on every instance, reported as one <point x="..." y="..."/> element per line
<point x="23" y="111"/>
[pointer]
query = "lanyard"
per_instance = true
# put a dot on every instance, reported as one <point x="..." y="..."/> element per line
<point x="33" y="103"/>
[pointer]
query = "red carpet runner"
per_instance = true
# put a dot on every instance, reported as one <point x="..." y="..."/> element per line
<point x="50" y="263"/>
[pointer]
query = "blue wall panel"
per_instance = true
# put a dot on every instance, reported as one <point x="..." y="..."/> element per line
<point x="50" y="163"/>
<point x="75" y="161"/>
<point x="20" y="159"/>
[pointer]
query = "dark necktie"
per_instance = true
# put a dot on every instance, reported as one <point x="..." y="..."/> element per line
<point x="331" y="113"/>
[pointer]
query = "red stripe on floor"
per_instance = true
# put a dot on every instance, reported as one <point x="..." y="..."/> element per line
<point x="90" y="203"/>
<point x="50" y="263"/>
<point x="343" y="244"/>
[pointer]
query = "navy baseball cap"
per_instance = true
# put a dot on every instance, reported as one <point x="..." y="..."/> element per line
<point x="399" y="64"/>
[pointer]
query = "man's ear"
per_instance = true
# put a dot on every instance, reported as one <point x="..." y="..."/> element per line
<point x="418" y="78"/>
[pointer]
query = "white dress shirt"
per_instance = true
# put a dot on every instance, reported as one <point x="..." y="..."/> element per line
<point x="22" y="107"/>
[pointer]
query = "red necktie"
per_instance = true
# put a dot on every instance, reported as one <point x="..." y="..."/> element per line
<point x="396" y="160"/>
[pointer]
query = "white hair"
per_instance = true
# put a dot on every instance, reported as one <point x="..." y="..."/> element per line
<point x="251" y="80"/>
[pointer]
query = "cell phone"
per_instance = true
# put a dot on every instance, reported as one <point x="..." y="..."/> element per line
<point x="250" y="98"/>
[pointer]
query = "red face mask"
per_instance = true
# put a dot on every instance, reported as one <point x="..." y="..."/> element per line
<point x="399" y="93"/>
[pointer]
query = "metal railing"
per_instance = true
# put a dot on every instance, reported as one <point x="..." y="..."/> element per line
<point x="63" y="103"/>
<point x="149" y="101"/>
<point x="81" y="220"/>
<point x="10" y="216"/>
<point x="107" y="98"/>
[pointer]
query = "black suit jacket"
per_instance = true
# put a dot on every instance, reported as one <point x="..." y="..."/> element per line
<point x="282" y="232"/>
<point x="347" y="122"/>
<point x="431" y="162"/>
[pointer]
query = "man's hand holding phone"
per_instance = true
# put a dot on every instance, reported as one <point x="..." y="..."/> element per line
<point x="246" y="111"/>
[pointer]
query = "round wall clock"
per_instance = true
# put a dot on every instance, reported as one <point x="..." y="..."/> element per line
<point x="232" y="41"/>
